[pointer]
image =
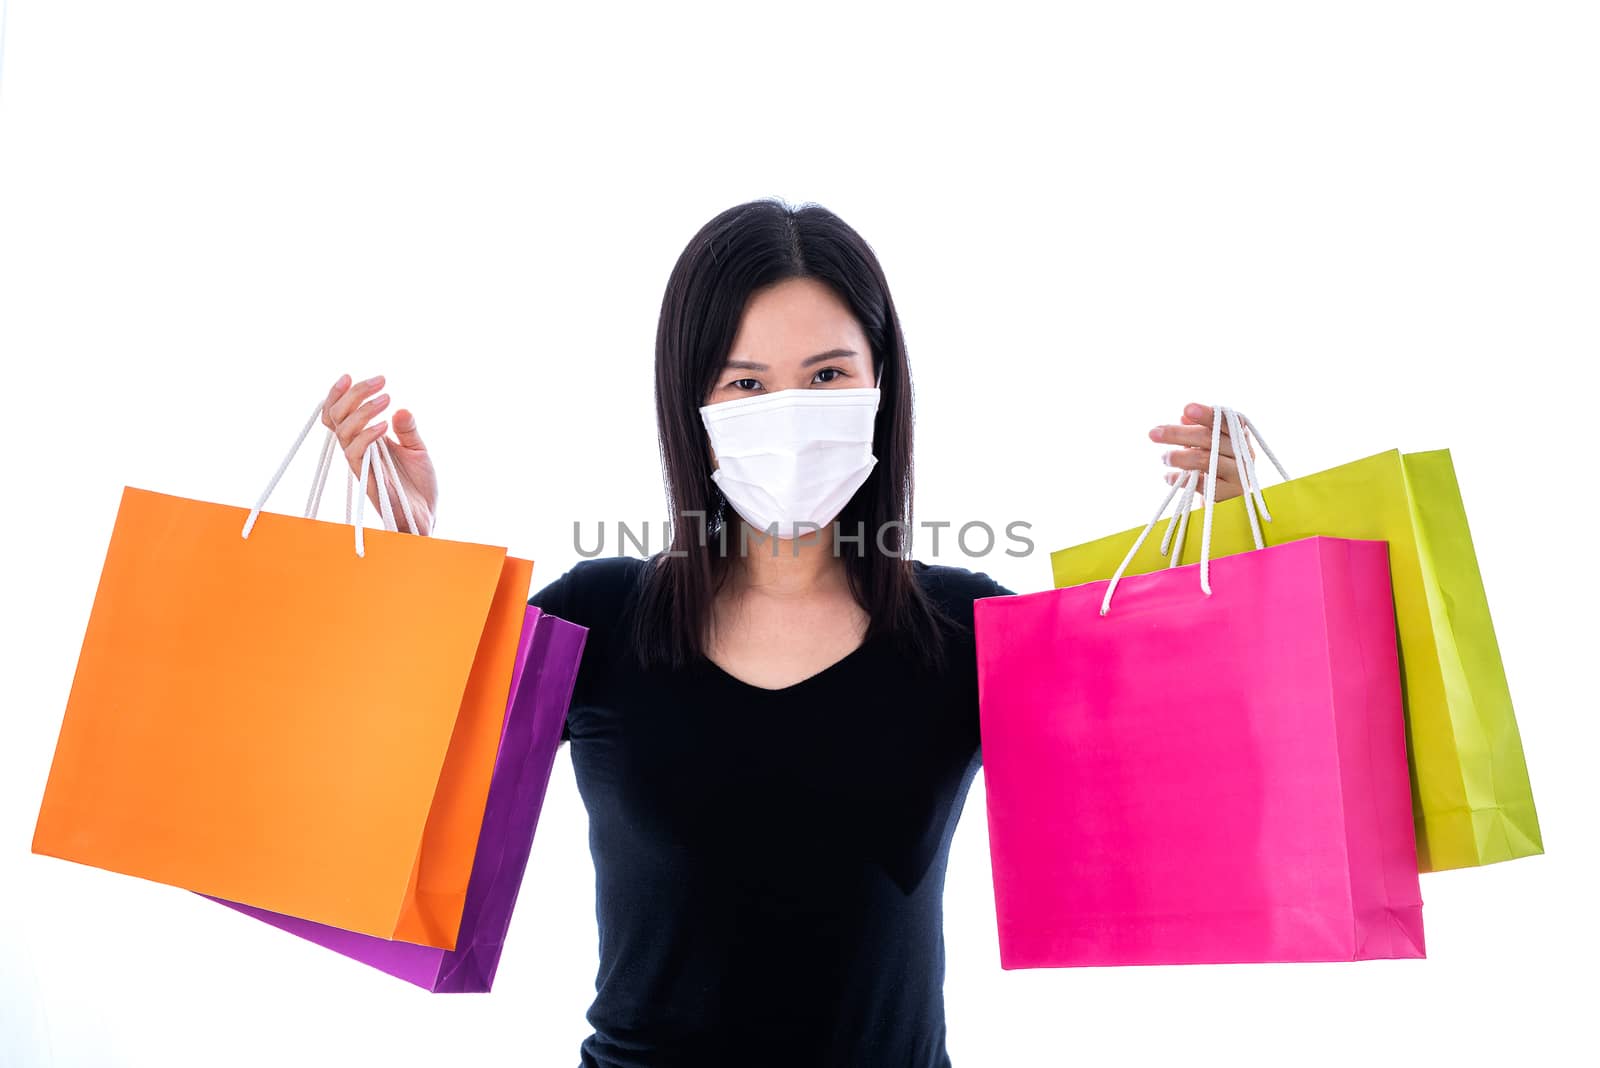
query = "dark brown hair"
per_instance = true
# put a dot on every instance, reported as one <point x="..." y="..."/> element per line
<point x="742" y="250"/>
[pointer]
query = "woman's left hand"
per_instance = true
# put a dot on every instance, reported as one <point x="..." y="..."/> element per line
<point x="1192" y="435"/>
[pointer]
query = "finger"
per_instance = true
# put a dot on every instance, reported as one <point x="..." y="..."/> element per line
<point x="1195" y="431"/>
<point x="1226" y="490"/>
<point x="352" y="424"/>
<point x="359" y="443"/>
<point x="1194" y="437"/>
<point x="334" y="393"/>
<point x="1186" y="460"/>
<point x="1180" y="476"/>
<point x="405" y="429"/>
<point x="354" y="395"/>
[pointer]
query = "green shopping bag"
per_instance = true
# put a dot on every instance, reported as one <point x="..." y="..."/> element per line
<point x="1470" y="791"/>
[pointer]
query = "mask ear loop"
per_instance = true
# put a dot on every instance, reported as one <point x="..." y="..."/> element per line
<point x="879" y="383"/>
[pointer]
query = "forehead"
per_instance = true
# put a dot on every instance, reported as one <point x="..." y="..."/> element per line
<point x="793" y="319"/>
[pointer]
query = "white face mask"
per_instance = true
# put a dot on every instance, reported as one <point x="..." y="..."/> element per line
<point x="793" y="458"/>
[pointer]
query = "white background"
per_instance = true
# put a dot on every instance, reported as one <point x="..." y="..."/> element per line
<point x="1369" y="225"/>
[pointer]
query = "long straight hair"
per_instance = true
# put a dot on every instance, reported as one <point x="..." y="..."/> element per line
<point x="742" y="250"/>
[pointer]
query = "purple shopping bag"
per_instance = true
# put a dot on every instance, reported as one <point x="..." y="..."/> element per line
<point x="1201" y="778"/>
<point x="541" y="688"/>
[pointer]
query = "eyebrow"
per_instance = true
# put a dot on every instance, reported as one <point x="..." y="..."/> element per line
<point x="821" y="357"/>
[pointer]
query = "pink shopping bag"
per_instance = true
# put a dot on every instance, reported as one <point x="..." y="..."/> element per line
<point x="1193" y="778"/>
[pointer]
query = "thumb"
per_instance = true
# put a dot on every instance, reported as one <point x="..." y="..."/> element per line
<point x="405" y="429"/>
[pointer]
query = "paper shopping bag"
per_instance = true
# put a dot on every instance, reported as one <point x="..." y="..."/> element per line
<point x="1473" y="803"/>
<point x="541" y="689"/>
<point x="1201" y="779"/>
<point x="280" y="720"/>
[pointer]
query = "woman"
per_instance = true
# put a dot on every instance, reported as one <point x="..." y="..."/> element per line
<point x="775" y="726"/>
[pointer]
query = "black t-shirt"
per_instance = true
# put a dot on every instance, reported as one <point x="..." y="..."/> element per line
<point x="769" y="864"/>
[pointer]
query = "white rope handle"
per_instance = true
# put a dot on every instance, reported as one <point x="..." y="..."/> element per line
<point x="324" y="462"/>
<point x="1238" y="429"/>
<point x="314" y="502"/>
<point x="1250" y="480"/>
<point x="1180" y="519"/>
<point x="361" y="499"/>
<point x="376" y="452"/>
<point x="399" y="487"/>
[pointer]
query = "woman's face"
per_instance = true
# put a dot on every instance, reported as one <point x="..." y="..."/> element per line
<point x="795" y="334"/>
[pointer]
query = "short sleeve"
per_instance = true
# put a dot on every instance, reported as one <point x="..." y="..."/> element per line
<point x="956" y="588"/>
<point x="558" y="599"/>
<point x="592" y="594"/>
<point x="990" y="588"/>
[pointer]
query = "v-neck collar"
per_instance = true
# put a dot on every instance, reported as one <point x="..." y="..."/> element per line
<point x="815" y="677"/>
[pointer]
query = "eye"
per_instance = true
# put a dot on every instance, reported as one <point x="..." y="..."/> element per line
<point x="826" y="375"/>
<point x="745" y="384"/>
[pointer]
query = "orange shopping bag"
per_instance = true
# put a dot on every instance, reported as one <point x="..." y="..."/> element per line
<point x="284" y="719"/>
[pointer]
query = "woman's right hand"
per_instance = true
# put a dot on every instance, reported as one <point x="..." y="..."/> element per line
<point x="346" y="412"/>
